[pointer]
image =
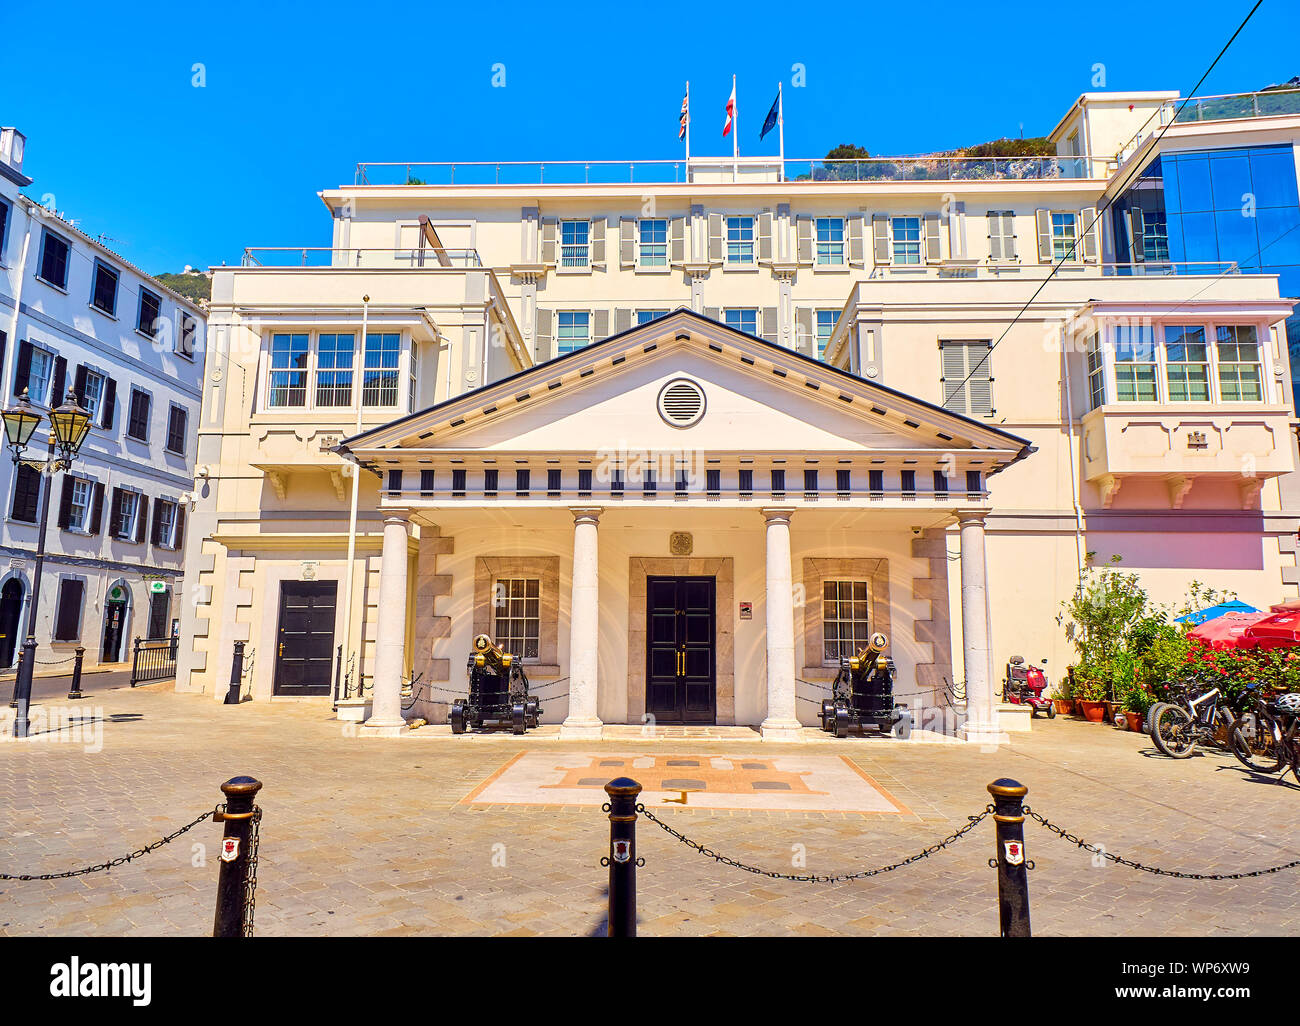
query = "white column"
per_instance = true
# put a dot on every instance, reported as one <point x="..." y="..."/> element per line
<point x="781" y="723"/>
<point x="584" y="628"/>
<point x="390" y="633"/>
<point x="981" y="711"/>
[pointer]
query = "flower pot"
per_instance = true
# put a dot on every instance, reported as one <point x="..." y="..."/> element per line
<point x="1134" y="721"/>
<point x="1064" y="706"/>
<point x="1093" y="712"/>
<point x="1112" y="710"/>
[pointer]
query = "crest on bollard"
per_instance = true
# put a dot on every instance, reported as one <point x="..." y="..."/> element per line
<point x="229" y="849"/>
<point x="622" y="850"/>
<point x="1015" y="852"/>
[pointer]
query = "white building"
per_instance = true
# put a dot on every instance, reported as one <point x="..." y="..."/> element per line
<point x="76" y="316"/>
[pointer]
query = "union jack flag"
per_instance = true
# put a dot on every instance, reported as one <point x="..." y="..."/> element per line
<point x="686" y="115"/>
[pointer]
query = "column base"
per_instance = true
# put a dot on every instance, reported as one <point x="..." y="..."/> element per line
<point x="774" y="729"/>
<point x="984" y="733"/>
<point x="375" y="727"/>
<point x="354" y="710"/>
<point x="582" y="728"/>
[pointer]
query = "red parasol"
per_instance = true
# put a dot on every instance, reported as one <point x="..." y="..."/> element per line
<point x="1231" y="630"/>
<point x="1276" y="629"/>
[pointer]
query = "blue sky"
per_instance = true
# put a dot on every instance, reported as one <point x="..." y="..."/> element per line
<point x="295" y="95"/>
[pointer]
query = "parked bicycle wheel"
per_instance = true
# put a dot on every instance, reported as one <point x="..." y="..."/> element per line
<point x="1174" y="732"/>
<point x="1254" y="743"/>
<point x="1149" y="721"/>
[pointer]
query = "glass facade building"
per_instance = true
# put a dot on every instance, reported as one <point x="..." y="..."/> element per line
<point x="1211" y="208"/>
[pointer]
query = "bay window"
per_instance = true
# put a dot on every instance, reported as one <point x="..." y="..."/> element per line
<point x="379" y="376"/>
<point x="1135" y="363"/>
<point x="1176" y="363"/>
<point x="1240" y="379"/>
<point x="288" y="384"/>
<point x="334" y="357"/>
<point x="1096" y="374"/>
<point x="1187" y="364"/>
<point x="308" y="370"/>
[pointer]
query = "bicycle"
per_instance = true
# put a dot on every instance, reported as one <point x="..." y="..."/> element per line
<point x="1264" y="738"/>
<point x="1179" y="725"/>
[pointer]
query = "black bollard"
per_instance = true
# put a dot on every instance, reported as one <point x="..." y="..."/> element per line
<point x="622" y="856"/>
<point x="240" y="793"/>
<point x="1013" y="870"/>
<point x="236" y="675"/>
<point x="74" y="689"/>
<point x="18" y="672"/>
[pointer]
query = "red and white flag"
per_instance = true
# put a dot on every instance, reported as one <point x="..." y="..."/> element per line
<point x="731" y="111"/>
<point x="686" y="114"/>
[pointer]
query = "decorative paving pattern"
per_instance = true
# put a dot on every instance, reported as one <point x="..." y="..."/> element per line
<point x="761" y="783"/>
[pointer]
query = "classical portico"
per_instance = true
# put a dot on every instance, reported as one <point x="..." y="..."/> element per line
<point x="682" y="524"/>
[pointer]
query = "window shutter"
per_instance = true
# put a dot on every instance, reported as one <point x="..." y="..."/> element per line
<point x="952" y="360"/>
<point x="59" y="384"/>
<point x="23" y="372"/>
<point x="142" y="517"/>
<point x="932" y="249"/>
<point x="880" y="238"/>
<point x="622" y="319"/>
<point x="715" y="238"/>
<point x="995" y="235"/>
<point x="1136" y="231"/>
<point x="1088" y="229"/>
<point x="1044" y="221"/>
<point x="600" y="325"/>
<point x="96" y="507"/>
<point x="548" y="239"/>
<point x="542" y="343"/>
<point x="626" y="242"/>
<point x="110" y="404"/>
<point x="677" y="237"/>
<point x="79" y="385"/>
<point x="180" y="527"/>
<point x="1009" y="234"/>
<point x="857" y="243"/>
<point x="27" y="494"/>
<point x="597" y="236"/>
<point x="765" y="235"/>
<point x="979" y="365"/>
<point x="771" y="329"/>
<point x="4" y="336"/>
<point x="157" y="523"/>
<point x="804" y="332"/>
<point x="713" y="313"/>
<point x="803" y="238"/>
<point x="115" y="515"/>
<point x="65" y="502"/>
<point x="68" y="617"/>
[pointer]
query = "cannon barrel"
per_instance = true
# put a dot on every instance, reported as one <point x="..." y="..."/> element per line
<point x="491" y="655"/>
<point x="869" y="658"/>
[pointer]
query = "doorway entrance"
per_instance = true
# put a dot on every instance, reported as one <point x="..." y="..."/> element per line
<point x="114" y="624"/>
<point x="681" y="656"/>
<point x="304" y="651"/>
<point x="11" y="607"/>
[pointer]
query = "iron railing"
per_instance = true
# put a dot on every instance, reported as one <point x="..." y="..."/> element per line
<point x="153" y="659"/>
<point x="325" y="256"/>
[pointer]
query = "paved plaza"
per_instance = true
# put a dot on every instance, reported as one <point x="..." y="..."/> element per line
<point x="431" y="834"/>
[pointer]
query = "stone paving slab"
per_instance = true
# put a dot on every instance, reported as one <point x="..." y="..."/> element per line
<point x="370" y="837"/>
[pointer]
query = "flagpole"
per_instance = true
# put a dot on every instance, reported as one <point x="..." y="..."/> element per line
<point x="780" y="126"/>
<point x="735" y="134"/>
<point x="688" y="130"/>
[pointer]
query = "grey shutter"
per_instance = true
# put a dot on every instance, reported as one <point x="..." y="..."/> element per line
<point x="803" y="239"/>
<point x="979" y="363"/>
<point x="626" y="242"/>
<point x="622" y="319"/>
<point x="765" y="235"/>
<point x="995" y="235"/>
<point x="1088" y="229"/>
<point x="804" y="331"/>
<point x="1043" y="219"/>
<point x="952" y="362"/>
<point x="857" y="242"/>
<point x="713" y="313"/>
<point x="542" y="344"/>
<point x="715" y="238"/>
<point x="957" y="230"/>
<point x="880" y="238"/>
<point x="677" y="239"/>
<point x="549" y="225"/>
<point x="771" y="330"/>
<point x="1136" y="231"/>
<point x="932" y="249"/>
<point x="1009" y="235"/>
<point x="599" y="325"/>
<point x="598" y="242"/>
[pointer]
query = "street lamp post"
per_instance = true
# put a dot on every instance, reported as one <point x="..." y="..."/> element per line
<point x="69" y="425"/>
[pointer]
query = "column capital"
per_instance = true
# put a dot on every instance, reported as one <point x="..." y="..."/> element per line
<point x="970" y="516"/>
<point x="586" y="514"/>
<point x="777" y="513"/>
<point x="397" y="516"/>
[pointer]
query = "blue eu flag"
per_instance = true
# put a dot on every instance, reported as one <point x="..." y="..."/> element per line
<point x="769" y="122"/>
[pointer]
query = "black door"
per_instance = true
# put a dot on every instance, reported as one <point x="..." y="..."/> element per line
<point x="160" y="607"/>
<point x="304" y="656"/>
<point x="11" y="605"/>
<point x="681" y="665"/>
<point x="114" y="623"/>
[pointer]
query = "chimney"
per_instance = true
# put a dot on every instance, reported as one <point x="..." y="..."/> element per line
<point x="12" y="144"/>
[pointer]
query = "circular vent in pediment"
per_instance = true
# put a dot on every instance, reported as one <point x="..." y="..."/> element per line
<point x="681" y="402"/>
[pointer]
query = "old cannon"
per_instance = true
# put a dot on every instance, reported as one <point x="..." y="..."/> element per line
<point x="863" y="694"/>
<point x="498" y="691"/>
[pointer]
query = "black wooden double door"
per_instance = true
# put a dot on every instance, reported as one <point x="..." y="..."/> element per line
<point x="681" y="658"/>
<point x="304" y="655"/>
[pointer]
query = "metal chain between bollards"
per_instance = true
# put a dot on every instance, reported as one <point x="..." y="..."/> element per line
<point x="250" y="878"/>
<point x="972" y="822"/>
<point x="114" y="863"/>
<point x="1097" y="850"/>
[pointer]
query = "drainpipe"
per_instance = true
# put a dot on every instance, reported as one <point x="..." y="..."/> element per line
<point x="1080" y="554"/>
<point x="352" y="518"/>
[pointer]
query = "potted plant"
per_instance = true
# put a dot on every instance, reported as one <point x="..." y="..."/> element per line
<point x="1091" y="686"/>
<point x="1063" y="696"/>
<point x="1136" y="703"/>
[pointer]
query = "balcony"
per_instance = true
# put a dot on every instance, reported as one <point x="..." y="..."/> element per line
<point x="1178" y="444"/>
<point x="1270" y="103"/>
<point x="425" y="257"/>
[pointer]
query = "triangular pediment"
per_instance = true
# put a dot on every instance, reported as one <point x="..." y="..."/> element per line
<point x="752" y="395"/>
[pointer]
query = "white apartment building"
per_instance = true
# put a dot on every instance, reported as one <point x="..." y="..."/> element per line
<point x="75" y="316"/>
<point x="680" y="435"/>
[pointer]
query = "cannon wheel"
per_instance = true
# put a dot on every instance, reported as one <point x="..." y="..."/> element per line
<point x="532" y="712"/>
<point x="519" y="717"/>
<point x="828" y="714"/>
<point x="841" y="721"/>
<point x="458" y="718"/>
